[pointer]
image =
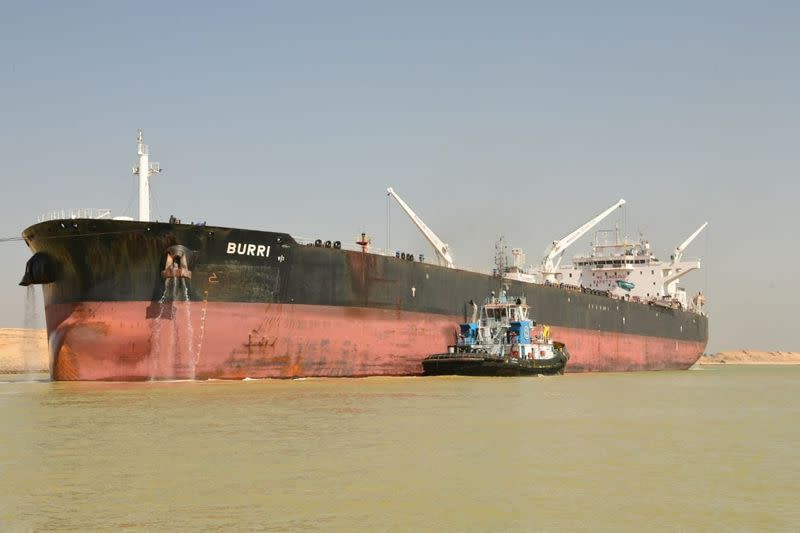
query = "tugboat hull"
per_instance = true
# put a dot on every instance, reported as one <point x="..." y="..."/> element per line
<point x="486" y="365"/>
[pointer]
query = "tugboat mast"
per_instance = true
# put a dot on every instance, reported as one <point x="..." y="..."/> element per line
<point x="144" y="171"/>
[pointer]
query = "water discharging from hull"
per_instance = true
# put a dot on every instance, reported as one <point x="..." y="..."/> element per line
<point x="189" y="329"/>
<point x="31" y="322"/>
<point x="172" y="337"/>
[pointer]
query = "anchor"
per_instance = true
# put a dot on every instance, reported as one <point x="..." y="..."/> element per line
<point x="177" y="265"/>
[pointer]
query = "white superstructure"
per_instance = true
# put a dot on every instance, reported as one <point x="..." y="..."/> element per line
<point x="620" y="268"/>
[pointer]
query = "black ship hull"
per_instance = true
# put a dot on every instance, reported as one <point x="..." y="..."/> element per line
<point x="261" y="304"/>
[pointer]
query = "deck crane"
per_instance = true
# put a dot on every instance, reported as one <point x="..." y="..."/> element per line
<point x="678" y="268"/>
<point x="442" y="253"/>
<point x="676" y="258"/>
<point x="552" y="258"/>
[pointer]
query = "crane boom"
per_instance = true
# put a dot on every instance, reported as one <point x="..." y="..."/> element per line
<point x="679" y="250"/>
<point x="442" y="253"/>
<point x="552" y="258"/>
<point x="672" y="276"/>
<point x="678" y="268"/>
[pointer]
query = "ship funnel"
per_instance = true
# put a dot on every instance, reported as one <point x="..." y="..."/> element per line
<point x="40" y="269"/>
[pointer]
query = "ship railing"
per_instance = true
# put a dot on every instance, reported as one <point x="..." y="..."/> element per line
<point x="428" y="260"/>
<point x="618" y="266"/>
<point x="628" y="298"/>
<point x="81" y="212"/>
<point x="305" y="241"/>
<point x="352" y="247"/>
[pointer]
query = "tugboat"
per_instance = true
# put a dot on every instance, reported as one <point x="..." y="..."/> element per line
<point x="503" y="341"/>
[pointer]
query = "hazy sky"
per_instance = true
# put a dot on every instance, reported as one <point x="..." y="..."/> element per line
<point x="515" y="118"/>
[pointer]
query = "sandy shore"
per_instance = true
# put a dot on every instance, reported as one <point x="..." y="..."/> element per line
<point x="751" y="357"/>
<point x="23" y="351"/>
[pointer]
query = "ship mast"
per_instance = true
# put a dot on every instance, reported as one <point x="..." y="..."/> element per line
<point x="144" y="171"/>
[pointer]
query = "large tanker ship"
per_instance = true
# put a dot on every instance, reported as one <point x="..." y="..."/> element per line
<point x="140" y="300"/>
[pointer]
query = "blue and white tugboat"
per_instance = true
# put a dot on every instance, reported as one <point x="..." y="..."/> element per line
<point x="502" y="341"/>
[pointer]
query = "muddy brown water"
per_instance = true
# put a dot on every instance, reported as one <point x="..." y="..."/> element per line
<point x="716" y="448"/>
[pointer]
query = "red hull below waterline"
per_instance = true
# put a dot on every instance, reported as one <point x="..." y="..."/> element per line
<point x="128" y="341"/>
